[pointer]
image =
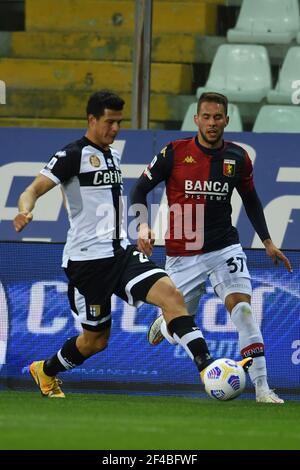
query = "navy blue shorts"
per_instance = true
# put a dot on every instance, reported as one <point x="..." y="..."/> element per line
<point x="129" y="274"/>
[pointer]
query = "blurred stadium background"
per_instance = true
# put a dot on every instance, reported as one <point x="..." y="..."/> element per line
<point x="53" y="55"/>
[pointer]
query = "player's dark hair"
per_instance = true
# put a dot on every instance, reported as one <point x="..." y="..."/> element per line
<point x="213" y="97"/>
<point x="101" y="100"/>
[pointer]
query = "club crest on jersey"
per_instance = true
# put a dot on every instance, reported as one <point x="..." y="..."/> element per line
<point x="94" y="161"/>
<point x="189" y="159"/>
<point x="229" y="168"/>
<point x="95" y="310"/>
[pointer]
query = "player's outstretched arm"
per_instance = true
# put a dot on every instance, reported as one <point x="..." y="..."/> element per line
<point x="256" y="216"/>
<point x="28" y="198"/>
<point x="277" y="255"/>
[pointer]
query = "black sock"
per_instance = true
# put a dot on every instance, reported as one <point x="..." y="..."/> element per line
<point x="187" y="334"/>
<point x="66" y="358"/>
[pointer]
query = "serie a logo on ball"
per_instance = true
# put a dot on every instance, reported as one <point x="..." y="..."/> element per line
<point x="224" y="379"/>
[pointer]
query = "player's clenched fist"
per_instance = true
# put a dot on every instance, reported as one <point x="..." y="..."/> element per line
<point x="21" y="220"/>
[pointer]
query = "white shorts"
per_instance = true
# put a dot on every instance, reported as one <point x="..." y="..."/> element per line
<point x="227" y="267"/>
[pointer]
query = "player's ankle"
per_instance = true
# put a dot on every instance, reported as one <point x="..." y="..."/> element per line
<point x="261" y="385"/>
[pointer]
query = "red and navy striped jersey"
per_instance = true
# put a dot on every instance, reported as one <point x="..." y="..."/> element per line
<point x="197" y="177"/>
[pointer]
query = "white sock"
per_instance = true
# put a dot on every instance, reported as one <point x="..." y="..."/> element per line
<point x="192" y="306"/>
<point x="166" y="334"/>
<point x="163" y="326"/>
<point x="251" y="342"/>
<point x="261" y="384"/>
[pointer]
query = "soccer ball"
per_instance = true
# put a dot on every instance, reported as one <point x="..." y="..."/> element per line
<point x="224" y="379"/>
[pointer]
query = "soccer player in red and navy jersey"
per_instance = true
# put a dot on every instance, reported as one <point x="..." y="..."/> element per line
<point x="200" y="174"/>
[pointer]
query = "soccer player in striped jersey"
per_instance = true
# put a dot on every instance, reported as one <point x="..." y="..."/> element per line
<point x="200" y="174"/>
<point x="98" y="258"/>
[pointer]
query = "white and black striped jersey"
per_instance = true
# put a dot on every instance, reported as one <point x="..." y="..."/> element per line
<point x="92" y="183"/>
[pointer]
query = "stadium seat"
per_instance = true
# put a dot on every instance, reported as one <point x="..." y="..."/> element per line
<point x="272" y="118"/>
<point x="241" y="72"/>
<point x="288" y="76"/>
<point x="234" y="125"/>
<point x="266" y="22"/>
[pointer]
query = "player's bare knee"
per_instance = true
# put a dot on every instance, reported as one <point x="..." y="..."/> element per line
<point x="245" y="309"/>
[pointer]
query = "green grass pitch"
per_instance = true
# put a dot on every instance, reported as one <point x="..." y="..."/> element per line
<point x="130" y="422"/>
